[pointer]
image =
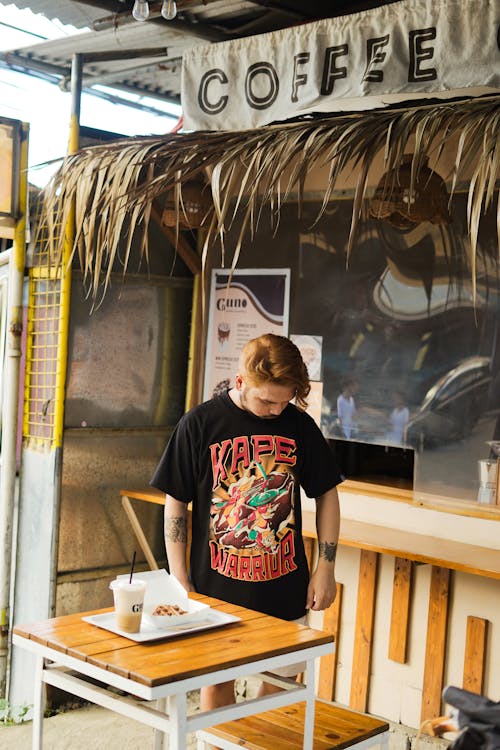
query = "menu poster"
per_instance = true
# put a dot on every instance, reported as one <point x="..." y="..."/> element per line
<point x="256" y="301"/>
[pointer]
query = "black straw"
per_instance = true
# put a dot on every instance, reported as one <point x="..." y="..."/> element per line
<point x="132" y="567"/>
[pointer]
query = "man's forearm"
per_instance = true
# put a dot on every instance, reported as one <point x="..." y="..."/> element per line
<point x="327" y="526"/>
<point x="322" y="587"/>
<point x="176" y="539"/>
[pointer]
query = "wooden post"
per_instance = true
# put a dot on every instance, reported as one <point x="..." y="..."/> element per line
<point x="436" y="643"/>
<point x="475" y="654"/>
<point x="401" y="592"/>
<point x="328" y="664"/>
<point x="365" y="616"/>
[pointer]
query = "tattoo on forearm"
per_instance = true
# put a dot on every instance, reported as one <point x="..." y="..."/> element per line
<point x="328" y="551"/>
<point x="176" y="529"/>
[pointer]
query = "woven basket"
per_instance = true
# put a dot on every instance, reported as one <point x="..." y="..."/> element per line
<point x="403" y="204"/>
<point x="193" y="205"/>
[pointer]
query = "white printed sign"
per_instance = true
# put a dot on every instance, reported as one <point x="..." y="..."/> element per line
<point x="256" y="302"/>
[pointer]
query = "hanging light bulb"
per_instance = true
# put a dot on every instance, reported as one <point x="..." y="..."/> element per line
<point x="169" y="9"/>
<point x="140" y="10"/>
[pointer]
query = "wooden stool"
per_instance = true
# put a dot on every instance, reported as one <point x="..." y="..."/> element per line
<point x="335" y="728"/>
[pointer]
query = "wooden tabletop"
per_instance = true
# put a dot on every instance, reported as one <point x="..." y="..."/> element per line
<point x="254" y="637"/>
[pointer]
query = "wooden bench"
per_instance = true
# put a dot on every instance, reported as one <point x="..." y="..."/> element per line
<point x="335" y="728"/>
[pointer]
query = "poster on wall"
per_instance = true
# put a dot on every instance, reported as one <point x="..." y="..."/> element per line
<point x="9" y="169"/>
<point x="256" y="301"/>
<point x="311" y="349"/>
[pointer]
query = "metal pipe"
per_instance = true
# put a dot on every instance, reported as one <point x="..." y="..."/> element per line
<point x="64" y="310"/>
<point x="65" y="295"/>
<point x="10" y="407"/>
<point x="197" y="338"/>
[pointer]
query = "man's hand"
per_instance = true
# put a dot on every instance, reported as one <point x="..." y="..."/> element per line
<point x="322" y="588"/>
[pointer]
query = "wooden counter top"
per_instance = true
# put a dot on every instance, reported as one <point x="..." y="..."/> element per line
<point x="446" y="553"/>
<point x="402" y="494"/>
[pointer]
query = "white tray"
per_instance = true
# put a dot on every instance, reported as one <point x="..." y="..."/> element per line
<point x="213" y="619"/>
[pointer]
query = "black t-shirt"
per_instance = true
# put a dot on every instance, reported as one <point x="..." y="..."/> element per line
<point x="243" y="474"/>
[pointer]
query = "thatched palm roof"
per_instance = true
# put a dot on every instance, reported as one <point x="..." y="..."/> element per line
<point x="113" y="186"/>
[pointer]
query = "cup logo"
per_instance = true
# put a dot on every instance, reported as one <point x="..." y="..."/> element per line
<point x="136" y="607"/>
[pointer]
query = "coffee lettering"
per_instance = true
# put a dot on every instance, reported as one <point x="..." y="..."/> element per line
<point x="299" y="79"/>
<point x="330" y="72"/>
<point x="419" y="53"/>
<point x="261" y="69"/>
<point x="375" y="55"/>
<point x="212" y="108"/>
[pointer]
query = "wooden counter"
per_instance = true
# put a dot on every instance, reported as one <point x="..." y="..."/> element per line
<point x="416" y="547"/>
<point x="421" y="548"/>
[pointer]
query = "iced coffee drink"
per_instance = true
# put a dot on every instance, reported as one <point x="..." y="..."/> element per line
<point x="129" y="600"/>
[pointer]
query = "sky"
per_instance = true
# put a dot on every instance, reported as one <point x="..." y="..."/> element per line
<point x="47" y="109"/>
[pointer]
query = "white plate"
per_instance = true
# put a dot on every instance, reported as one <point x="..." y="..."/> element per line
<point x="213" y="619"/>
<point x="194" y="612"/>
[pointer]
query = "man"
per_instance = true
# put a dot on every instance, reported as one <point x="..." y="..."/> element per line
<point x="346" y="407"/>
<point x="241" y="459"/>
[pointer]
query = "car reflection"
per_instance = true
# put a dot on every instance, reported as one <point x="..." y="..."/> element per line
<point x="453" y="405"/>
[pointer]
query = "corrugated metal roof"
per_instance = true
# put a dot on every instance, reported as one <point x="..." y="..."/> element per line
<point x="69" y="12"/>
<point x="115" y="32"/>
<point x="156" y="75"/>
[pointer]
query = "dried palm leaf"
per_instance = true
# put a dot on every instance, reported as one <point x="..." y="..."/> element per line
<point x="113" y="186"/>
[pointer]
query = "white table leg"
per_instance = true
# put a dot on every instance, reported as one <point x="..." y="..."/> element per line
<point x="159" y="738"/>
<point x="177" y="711"/>
<point x="38" y="705"/>
<point x="310" y="698"/>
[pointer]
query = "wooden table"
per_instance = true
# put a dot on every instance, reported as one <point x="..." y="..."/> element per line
<point x="73" y="654"/>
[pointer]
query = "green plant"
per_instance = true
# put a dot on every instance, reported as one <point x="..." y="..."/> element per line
<point x="10" y="715"/>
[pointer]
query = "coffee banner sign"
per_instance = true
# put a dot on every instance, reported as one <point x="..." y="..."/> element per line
<point x="409" y="49"/>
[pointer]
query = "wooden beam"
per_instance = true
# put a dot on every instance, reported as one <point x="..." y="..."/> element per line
<point x="401" y="593"/>
<point x="435" y="648"/>
<point x="180" y="243"/>
<point x="328" y="663"/>
<point x="475" y="654"/>
<point x="365" y="615"/>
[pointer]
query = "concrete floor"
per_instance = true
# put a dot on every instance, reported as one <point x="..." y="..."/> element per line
<point x="95" y="728"/>
<point x="86" y="728"/>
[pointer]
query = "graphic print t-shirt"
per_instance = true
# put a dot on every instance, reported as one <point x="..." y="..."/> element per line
<point x="243" y="475"/>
